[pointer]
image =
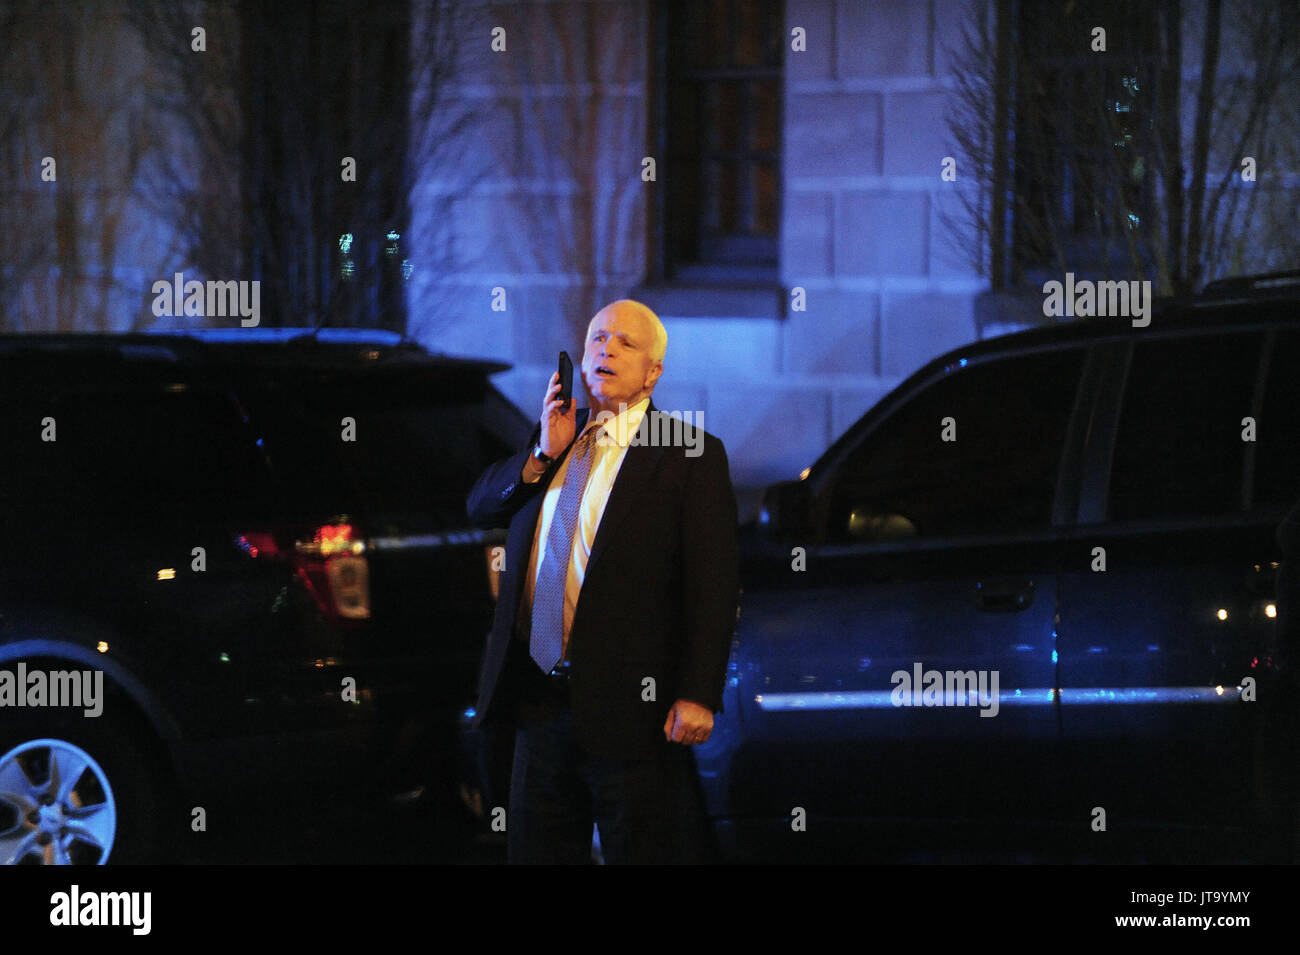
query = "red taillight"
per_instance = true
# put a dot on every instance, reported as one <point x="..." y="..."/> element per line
<point x="332" y="566"/>
<point x="258" y="544"/>
<point x="336" y="539"/>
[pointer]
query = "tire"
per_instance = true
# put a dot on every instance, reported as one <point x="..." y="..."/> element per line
<point x="110" y="812"/>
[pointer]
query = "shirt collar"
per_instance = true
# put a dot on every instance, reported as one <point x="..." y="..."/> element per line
<point x="620" y="427"/>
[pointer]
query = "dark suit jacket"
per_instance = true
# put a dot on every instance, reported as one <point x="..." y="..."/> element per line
<point x="658" y="600"/>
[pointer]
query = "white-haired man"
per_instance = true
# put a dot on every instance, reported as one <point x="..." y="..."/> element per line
<point x="615" y="611"/>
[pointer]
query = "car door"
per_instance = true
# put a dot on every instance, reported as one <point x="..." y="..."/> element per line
<point x="936" y="554"/>
<point x="1167" y="603"/>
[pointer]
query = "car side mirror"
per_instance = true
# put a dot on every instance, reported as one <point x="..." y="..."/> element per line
<point x="867" y="523"/>
<point x="785" y="511"/>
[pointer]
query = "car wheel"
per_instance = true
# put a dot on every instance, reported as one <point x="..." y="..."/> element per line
<point x="84" y="795"/>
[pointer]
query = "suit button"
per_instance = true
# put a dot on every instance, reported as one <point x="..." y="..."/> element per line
<point x="506" y="493"/>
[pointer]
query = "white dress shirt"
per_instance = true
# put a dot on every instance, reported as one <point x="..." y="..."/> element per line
<point x="608" y="453"/>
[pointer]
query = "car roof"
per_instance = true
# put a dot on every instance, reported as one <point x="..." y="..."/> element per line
<point x="1231" y="303"/>
<point x="228" y="350"/>
<point x="1167" y="316"/>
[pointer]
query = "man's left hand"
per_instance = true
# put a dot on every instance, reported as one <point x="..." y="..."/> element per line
<point x="688" y="722"/>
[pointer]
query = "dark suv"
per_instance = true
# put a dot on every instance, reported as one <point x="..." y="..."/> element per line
<point x="257" y="541"/>
<point x="1032" y="591"/>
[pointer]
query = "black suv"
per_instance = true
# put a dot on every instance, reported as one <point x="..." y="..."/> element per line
<point x="255" y="542"/>
<point x="1083" y="513"/>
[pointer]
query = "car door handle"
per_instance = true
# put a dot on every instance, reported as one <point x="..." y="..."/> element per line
<point x="1004" y="596"/>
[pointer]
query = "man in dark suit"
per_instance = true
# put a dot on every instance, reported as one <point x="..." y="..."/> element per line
<point x="615" y="610"/>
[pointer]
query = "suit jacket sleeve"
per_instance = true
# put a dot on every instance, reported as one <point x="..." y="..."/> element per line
<point x="501" y="490"/>
<point x="711" y="577"/>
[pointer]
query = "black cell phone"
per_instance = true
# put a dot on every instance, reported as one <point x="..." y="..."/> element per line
<point x="566" y="381"/>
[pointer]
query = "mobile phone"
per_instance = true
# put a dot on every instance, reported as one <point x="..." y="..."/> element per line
<point x="566" y="381"/>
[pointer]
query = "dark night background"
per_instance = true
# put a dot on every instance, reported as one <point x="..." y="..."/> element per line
<point x="816" y="196"/>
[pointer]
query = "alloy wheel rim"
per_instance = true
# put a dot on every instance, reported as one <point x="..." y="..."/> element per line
<point x="56" y="806"/>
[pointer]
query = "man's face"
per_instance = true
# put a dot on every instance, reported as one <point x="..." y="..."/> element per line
<point x="617" y="365"/>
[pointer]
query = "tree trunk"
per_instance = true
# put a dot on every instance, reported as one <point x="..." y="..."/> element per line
<point x="1201" y="145"/>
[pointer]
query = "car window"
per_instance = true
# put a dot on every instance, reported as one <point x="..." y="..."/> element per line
<point x="421" y="456"/>
<point x="998" y="475"/>
<point x="135" y="453"/>
<point x="1277" y="451"/>
<point x="1179" y="450"/>
<point x="415" y="447"/>
<point x="28" y="463"/>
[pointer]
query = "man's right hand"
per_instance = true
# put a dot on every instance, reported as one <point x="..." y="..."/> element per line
<point x="558" y="427"/>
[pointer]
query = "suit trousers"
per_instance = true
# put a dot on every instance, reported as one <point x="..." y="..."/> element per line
<point x="646" y="810"/>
